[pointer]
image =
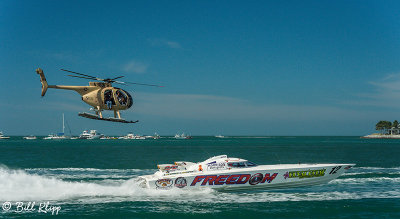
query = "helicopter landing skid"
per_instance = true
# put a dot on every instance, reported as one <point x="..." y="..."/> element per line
<point x="111" y="119"/>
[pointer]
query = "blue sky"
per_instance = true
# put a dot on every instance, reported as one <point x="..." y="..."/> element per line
<point x="228" y="67"/>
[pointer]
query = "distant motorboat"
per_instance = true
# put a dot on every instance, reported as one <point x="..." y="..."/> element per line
<point x="31" y="137"/>
<point x="182" y="136"/>
<point x="3" y="137"/>
<point x="55" y="137"/>
<point x="155" y="136"/>
<point x="220" y="136"/>
<point x="93" y="134"/>
<point x="107" y="138"/>
<point x="132" y="136"/>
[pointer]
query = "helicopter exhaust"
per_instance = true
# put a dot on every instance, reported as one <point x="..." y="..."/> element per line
<point x="39" y="71"/>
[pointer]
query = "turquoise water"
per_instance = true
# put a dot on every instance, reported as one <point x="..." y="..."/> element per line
<point x="96" y="178"/>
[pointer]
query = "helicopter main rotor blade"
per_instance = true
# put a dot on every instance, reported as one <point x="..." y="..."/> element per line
<point x="119" y="82"/>
<point x="78" y="73"/>
<point x="112" y="79"/>
<point x="109" y="80"/>
<point x="81" y="77"/>
<point x="153" y="85"/>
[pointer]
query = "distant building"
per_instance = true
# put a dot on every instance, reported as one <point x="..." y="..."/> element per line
<point x="394" y="131"/>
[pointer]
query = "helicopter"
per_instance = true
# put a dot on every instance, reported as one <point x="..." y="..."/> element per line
<point x="100" y="94"/>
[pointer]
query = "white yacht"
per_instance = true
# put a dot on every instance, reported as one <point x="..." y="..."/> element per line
<point x="155" y="136"/>
<point x="132" y="136"/>
<point x="3" y="137"/>
<point x="93" y="134"/>
<point x="182" y="136"/>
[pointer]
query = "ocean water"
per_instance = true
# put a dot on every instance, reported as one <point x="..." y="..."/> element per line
<point x="97" y="178"/>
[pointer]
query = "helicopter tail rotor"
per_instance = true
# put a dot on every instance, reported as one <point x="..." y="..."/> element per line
<point x="39" y="71"/>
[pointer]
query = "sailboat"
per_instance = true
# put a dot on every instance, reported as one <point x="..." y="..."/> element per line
<point x="59" y="135"/>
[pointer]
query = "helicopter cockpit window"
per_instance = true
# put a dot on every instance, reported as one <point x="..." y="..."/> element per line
<point x="108" y="99"/>
<point x="122" y="97"/>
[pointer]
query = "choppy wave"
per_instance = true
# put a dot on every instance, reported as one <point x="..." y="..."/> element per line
<point x="117" y="185"/>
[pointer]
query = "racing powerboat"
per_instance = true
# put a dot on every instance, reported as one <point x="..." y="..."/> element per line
<point x="224" y="173"/>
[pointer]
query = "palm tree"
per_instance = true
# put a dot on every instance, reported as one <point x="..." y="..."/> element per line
<point x="383" y="126"/>
<point x="380" y="126"/>
<point x="395" y="127"/>
<point x="395" y="124"/>
<point x="387" y="126"/>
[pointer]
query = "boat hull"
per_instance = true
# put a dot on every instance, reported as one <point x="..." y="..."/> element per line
<point x="261" y="177"/>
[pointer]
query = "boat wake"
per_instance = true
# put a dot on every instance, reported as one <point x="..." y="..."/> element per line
<point x="90" y="186"/>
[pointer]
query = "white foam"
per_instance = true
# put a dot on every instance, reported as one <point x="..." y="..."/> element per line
<point x="365" y="180"/>
<point x="378" y="168"/>
<point x="372" y="170"/>
<point x="17" y="185"/>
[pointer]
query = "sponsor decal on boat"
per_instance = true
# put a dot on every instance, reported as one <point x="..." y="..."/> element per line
<point x="180" y="182"/>
<point x="174" y="173"/>
<point x="335" y="169"/>
<point x="305" y="174"/>
<point x="215" y="166"/>
<point x="233" y="179"/>
<point x="255" y="179"/>
<point x="164" y="183"/>
<point x="170" y="167"/>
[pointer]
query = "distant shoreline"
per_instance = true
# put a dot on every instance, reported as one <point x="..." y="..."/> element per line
<point x="382" y="136"/>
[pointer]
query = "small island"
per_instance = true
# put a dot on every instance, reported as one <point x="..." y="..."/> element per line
<point x="387" y="130"/>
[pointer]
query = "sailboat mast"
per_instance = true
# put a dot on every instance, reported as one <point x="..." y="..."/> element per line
<point x="63" y="124"/>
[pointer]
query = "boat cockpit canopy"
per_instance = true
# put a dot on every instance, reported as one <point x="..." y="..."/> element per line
<point x="241" y="164"/>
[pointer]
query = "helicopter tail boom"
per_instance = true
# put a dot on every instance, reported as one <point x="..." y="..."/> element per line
<point x="39" y="71"/>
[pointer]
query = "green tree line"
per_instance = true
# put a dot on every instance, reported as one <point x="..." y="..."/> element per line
<point x="384" y="126"/>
